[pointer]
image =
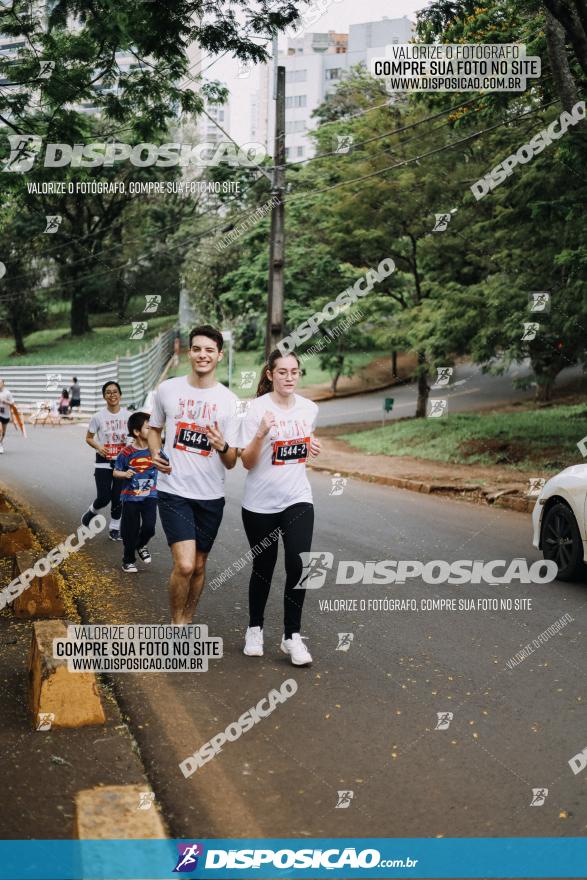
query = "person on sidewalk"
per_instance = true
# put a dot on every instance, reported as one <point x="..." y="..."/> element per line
<point x="135" y="466"/>
<point x="107" y="433"/>
<point x="6" y="402"/>
<point x="201" y="434"/>
<point x="277" y="439"/>
<point x="75" y="395"/>
<point x="64" y="405"/>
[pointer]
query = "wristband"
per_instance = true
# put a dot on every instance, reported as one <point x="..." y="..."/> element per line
<point x="225" y="450"/>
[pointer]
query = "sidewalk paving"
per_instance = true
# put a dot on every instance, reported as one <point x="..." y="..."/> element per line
<point x="482" y="485"/>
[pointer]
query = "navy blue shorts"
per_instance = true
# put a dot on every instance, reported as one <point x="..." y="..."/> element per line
<point x="187" y="519"/>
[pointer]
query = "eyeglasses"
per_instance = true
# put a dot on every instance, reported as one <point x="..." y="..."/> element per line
<point x="287" y="373"/>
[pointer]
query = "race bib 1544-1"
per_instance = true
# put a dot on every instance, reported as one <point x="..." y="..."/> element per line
<point x="190" y="437"/>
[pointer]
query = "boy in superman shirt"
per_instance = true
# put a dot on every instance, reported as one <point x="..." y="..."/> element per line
<point x="135" y="466"/>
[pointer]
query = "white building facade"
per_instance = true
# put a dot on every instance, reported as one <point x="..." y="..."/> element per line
<point x="315" y="63"/>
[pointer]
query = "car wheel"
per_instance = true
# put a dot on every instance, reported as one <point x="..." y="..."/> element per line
<point x="561" y="541"/>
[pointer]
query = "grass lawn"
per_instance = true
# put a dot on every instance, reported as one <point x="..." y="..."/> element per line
<point x="252" y="360"/>
<point x="544" y="438"/>
<point x="56" y="346"/>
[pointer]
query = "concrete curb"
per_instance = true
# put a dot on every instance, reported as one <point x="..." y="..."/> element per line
<point x="14" y="534"/>
<point x="41" y="598"/>
<point x="522" y="505"/>
<point x="113" y="812"/>
<point x="70" y="699"/>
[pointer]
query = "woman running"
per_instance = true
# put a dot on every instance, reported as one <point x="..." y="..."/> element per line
<point x="107" y="433"/>
<point x="277" y="439"/>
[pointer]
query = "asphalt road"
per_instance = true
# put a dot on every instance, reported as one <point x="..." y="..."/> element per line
<point x="362" y="720"/>
<point x="469" y="389"/>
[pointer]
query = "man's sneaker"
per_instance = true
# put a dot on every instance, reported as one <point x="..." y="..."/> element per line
<point x="1" y="449"/>
<point x="144" y="555"/>
<point x="253" y="642"/>
<point x="129" y="566"/>
<point x="300" y="656"/>
<point x="114" y="535"/>
<point x="88" y="517"/>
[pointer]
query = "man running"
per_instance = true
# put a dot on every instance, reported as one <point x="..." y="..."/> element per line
<point x="201" y="436"/>
<point x="107" y="433"/>
<point x="75" y="395"/>
<point x="6" y="401"/>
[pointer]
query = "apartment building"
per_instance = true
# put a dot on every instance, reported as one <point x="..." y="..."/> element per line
<point x="315" y="63"/>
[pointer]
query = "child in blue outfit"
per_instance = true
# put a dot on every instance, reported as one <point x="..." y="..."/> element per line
<point x="135" y="466"/>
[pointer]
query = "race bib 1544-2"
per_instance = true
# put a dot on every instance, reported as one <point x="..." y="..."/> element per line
<point x="190" y="437"/>
<point x="290" y="451"/>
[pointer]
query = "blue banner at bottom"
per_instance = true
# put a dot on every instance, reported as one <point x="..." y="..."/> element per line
<point x="527" y="857"/>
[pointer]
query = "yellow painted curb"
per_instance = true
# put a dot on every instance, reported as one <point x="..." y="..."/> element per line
<point x="41" y="598"/>
<point x="71" y="698"/>
<point x="114" y="812"/>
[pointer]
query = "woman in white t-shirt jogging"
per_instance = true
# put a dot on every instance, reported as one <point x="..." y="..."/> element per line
<point x="277" y="437"/>
<point x="107" y="435"/>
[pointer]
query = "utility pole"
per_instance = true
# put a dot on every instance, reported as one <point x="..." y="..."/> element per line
<point x="277" y="245"/>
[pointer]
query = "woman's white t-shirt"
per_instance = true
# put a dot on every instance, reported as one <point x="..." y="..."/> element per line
<point x="111" y="431"/>
<point x="279" y="478"/>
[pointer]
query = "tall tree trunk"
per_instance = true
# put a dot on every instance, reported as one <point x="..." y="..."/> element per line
<point x="423" y="387"/>
<point x="545" y="379"/>
<point x="80" y="317"/>
<point x="16" y="328"/>
<point x="394" y="363"/>
<point x="572" y="15"/>
<point x="559" y="62"/>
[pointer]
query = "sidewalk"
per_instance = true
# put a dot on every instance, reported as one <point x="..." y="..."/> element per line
<point x="43" y="770"/>
<point x="482" y="485"/>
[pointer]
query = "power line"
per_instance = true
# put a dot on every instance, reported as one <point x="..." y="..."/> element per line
<point x="425" y="155"/>
<point x="385" y="134"/>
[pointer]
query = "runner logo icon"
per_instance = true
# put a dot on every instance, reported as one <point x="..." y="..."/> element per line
<point x="315" y="566"/>
<point x="187" y="860"/>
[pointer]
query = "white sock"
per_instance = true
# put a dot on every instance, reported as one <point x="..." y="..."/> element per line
<point x="115" y="524"/>
<point x="92" y="509"/>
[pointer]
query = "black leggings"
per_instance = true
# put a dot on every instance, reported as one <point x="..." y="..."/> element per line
<point x="138" y="525"/>
<point x="296" y="524"/>
<point x="108" y="489"/>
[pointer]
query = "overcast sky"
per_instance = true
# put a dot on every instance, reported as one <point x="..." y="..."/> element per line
<point x="338" y="17"/>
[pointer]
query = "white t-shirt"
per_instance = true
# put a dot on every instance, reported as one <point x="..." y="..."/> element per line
<point x="185" y="412"/>
<point x="6" y="399"/>
<point x="279" y="478"/>
<point x="111" y="432"/>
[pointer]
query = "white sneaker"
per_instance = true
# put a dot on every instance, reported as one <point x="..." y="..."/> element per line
<point x="300" y="656"/>
<point x="1" y="449"/>
<point x="253" y="642"/>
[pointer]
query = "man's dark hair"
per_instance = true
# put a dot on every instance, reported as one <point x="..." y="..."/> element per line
<point x="111" y="382"/>
<point x="75" y="378"/>
<point x="210" y="332"/>
<point x="136" y="422"/>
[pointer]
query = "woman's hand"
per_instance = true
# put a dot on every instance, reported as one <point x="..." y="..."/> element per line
<point x="315" y="447"/>
<point x="267" y="422"/>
